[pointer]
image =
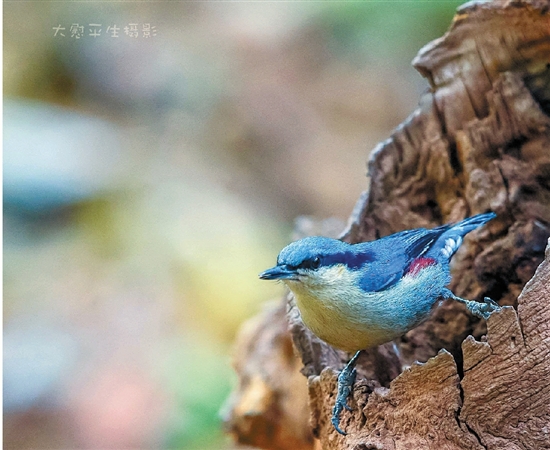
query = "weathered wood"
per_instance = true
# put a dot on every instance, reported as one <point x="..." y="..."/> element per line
<point x="506" y="379"/>
<point x="268" y="409"/>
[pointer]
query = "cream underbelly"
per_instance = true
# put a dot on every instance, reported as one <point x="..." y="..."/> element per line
<point x="346" y="317"/>
<point x="344" y="334"/>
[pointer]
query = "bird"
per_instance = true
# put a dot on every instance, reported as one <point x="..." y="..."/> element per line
<point x="358" y="296"/>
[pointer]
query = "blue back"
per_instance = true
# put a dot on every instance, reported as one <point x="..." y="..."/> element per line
<point x="382" y="262"/>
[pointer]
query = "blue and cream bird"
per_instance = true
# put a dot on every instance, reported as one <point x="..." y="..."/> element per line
<point x="356" y="296"/>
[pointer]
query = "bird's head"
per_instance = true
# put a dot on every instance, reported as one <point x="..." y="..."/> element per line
<point x="314" y="261"/>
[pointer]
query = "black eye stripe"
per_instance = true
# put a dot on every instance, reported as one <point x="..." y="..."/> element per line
<point x="311" y="263"/>
<point x="352" y="260"/>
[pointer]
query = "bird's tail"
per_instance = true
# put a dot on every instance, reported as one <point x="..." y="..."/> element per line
<point x="450" y="240"/>
<point x="471" y="223"/>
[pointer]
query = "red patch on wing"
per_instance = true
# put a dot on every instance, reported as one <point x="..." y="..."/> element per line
<point x="418" y="264"/>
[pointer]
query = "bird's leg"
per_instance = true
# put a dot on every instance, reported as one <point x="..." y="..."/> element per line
<point x="345" y="384"/>
<point x="479" y="309"/>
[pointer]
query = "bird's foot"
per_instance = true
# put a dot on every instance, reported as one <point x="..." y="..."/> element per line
<point x="345" y="385"/>
<point x="480" y="309"/>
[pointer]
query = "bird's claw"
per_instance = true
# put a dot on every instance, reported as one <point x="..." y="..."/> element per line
<point x="335" y="422"/>
<point x="480" y="309"/>
<point x="488" y="307"/>
<point x="483" y="310"/>
<point x="345" y="385"/>
<point x="491" y="302"/>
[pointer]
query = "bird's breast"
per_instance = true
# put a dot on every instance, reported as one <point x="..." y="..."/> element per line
<point x="339" y="312"/>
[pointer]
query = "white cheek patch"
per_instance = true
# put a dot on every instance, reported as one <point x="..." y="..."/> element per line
<point x="451" y="246"/>
<point x="327" y="281"/>
<point x="331" y="274"/>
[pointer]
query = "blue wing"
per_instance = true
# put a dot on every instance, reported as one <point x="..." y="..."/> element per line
<point x="393" y="254"/>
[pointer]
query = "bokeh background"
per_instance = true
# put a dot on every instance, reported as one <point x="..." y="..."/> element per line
<point x="148" y="180"/>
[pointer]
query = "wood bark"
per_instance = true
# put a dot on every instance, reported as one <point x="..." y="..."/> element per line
<point x="479" y="140"/>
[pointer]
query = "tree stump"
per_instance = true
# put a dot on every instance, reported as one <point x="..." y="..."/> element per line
<point x="479" y="140"/>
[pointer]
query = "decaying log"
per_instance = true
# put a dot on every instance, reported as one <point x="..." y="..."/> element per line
<point x="506" y="379"/>
<point x="269" y="409"/>
<point x="479" y="140"/>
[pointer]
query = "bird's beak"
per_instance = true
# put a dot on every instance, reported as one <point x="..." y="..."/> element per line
<point x="279" y="273"/>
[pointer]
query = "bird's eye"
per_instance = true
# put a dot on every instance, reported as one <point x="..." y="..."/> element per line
<point x="315" y="262"/>
<point x="311" y="263"/>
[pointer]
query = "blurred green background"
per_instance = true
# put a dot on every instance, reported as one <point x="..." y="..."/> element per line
<point x="148" y="180"/>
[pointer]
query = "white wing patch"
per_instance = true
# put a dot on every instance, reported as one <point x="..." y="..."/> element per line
<point x="451" y="246"/>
